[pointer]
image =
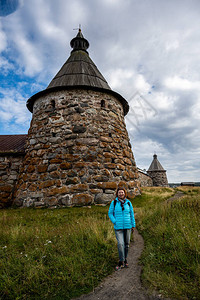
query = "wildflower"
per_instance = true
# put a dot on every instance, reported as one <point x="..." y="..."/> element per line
<point x="48" y="242"/>
<point x="4" y="247"/>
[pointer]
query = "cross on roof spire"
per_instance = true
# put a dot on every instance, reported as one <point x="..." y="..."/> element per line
<point x="79" y="28"/>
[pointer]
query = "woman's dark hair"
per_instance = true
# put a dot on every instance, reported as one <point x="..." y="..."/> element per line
<point x="119" y="189"/>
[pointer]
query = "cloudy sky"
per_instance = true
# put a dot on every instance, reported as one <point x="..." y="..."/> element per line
<point x="148" y="51"/>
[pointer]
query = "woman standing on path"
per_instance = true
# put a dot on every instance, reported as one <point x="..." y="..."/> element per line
<point x="122" y="216"/>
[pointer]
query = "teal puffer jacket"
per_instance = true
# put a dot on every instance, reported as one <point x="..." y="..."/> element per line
<point x="122" y="219"/>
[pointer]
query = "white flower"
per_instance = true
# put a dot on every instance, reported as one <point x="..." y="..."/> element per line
<point x="48" y="242"/>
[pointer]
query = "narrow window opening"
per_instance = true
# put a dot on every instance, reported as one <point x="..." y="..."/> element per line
<point x="113" y="160"/>
<point x="103" y="103"/>
<point x="53" y="134"/>
<point x="103" y="190"/>
<point x="110" y="134"/>
<point x="53" y="104"/>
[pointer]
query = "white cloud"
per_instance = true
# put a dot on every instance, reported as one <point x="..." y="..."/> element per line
<point x="141" y="84"/>
<point x="118" y="77"/>
<point x="179" y="83"/>
<point x="3" y="40"/>
<point x="139" y="46"/>
<point x="32" y="63"/>
<point x="172" y="45"/>
<point x="5" y="66"/>
<point x="27" y="55"/>
<point x="13" y="109"/>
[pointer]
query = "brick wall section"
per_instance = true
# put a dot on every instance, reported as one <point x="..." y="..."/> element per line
<point x="9" y="172"/>
<point x="78" y="151"/>
<point x="145" y="180"/>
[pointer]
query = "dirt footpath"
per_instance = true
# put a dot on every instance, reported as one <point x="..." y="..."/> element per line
<point x="178" y="194"/>
<point x="124" y="284"/>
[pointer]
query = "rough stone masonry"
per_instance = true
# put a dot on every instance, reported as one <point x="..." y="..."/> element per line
<point x="77" y="150"/>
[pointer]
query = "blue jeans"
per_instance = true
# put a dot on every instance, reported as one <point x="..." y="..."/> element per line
<point x="123" y="237"/>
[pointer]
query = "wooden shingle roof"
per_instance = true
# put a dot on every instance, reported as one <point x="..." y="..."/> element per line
<point x="155" y="165"/>
<point x="12" y="143"/>
<point x="79" y="71"/>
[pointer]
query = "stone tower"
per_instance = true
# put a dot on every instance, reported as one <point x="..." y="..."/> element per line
<point x="157" y="173"/>
<point x="78" y="150"/>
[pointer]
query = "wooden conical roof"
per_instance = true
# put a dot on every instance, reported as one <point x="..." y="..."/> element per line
<point x="79" y="71"/>
<point x="155" y="165"/>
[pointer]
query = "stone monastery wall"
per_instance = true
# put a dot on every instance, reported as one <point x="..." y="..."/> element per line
<point x="9" y="173"/>
<point x="78" y="151"/>
<point x="145" y="180"/>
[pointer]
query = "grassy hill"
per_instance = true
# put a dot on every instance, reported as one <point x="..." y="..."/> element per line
<point x="62" y="253"/>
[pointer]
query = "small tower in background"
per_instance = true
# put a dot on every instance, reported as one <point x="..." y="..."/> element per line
<point x="157" y="173"/>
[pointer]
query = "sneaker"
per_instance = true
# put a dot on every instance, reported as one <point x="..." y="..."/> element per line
<point x="119" y="266"/>
<point x="126" y="264"/>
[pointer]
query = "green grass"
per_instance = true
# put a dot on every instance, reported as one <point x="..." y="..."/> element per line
<point x="54" y="254"/>
<point x="63" y="253"/>
<point x="171" y="233"/>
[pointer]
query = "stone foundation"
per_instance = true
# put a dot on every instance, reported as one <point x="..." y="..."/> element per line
<point x="78" y="151"/>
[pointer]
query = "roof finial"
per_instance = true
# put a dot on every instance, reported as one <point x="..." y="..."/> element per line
<point x="79" y="28"/>
<point x="79" y="42"/>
